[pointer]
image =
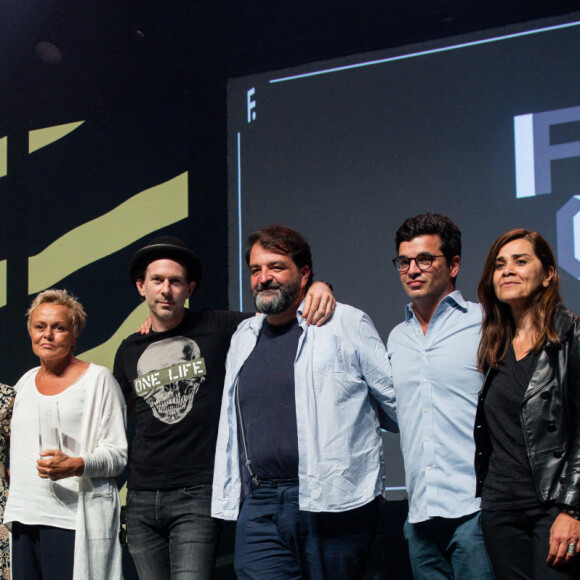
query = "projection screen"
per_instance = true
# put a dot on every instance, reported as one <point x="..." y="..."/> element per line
<point x="483" y="128"/>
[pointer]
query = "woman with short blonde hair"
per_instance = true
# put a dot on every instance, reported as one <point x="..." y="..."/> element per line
<point x="68" y="443"/>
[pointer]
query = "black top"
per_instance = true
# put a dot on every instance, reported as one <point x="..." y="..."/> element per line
<point x="176" y="379"/>
<point x="509" y="483"/>
<point x="268" y="405"/>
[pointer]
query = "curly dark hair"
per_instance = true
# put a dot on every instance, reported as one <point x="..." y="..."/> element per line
<point x="286" y="241"/>
<point x="426" y="224"/>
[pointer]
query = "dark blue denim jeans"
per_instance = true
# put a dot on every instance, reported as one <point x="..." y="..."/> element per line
<point x="448" y="548"/>
<point x="277" y="541"/>
<point x="171" y="534"/>
<point x="42" y="552"/>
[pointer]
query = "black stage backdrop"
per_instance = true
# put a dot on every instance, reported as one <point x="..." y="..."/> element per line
<point x="78" y="199"/>
<point x="343" y="151"/>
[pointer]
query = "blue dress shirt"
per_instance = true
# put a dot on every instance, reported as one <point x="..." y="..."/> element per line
<point x="342" y="375"/>
<point x="437" y="383"/>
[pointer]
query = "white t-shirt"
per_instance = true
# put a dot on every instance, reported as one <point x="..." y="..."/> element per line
<point x="34" y="500"/>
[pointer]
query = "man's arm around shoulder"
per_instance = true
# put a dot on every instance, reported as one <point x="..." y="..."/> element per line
<point x="376" y="370"/>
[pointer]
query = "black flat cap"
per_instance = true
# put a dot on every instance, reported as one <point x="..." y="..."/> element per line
<point x="166" y="247"/>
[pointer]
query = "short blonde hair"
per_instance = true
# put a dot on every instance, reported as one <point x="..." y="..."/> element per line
<point x="61" y="298"/>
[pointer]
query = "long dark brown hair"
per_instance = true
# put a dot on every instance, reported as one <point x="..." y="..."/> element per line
<point x="497" y="330"/>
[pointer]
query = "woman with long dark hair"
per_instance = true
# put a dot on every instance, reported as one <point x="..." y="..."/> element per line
<point x="527" y="427"/>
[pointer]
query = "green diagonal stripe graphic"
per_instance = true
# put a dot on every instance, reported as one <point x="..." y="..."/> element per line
<point x="144" y="213"/>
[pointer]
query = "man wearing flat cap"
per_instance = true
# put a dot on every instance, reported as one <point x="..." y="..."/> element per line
<point x="172" y="378"/>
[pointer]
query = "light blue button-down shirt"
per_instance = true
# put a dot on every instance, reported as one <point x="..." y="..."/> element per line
<point x="341" y="375"/>
<point x="436" y="383"/>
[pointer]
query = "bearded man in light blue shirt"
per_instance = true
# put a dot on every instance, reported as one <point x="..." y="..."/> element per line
<point x="299" y="452"/>
<point x="433" y="358"/>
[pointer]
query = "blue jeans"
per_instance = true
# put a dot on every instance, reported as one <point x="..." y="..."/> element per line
<point x="42" y="552"/>
<point x="171" y="534"/>
<point x="448" y="548"/>
<point x="277" y="541"/>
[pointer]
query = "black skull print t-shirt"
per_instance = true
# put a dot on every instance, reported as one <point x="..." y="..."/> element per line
<point x="176" y="381"/>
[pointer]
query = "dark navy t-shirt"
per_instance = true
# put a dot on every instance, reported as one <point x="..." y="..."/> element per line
<point x="268" y="407"/>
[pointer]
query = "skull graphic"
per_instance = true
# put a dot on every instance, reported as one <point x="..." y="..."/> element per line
<point x="173" y="399"/>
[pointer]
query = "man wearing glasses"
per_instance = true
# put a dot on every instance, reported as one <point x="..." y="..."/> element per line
<point x="433" y="358"/>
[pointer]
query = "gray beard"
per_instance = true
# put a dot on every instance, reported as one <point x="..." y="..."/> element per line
<point x="287" y="295"/>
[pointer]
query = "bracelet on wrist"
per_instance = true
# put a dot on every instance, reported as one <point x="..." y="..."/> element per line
<point x="565" y="509"/>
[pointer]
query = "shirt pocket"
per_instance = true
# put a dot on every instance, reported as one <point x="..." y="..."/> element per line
<point x="102" y="513"/>
<point x="328" y="356"/>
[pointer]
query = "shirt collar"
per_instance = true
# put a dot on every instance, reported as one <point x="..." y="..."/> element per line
<point x="454" y="299"/>
<point x="301" y="321"/>
<point x="257" y="322"/>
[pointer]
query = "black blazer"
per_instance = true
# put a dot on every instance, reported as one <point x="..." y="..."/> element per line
<point x="550" y="418"/>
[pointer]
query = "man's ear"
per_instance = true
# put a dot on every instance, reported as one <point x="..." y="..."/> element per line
<point x="454" y="266"/>
<point x="304" y="275"/>
<point x="192" y="286"/>
<point x="140" y="286"/>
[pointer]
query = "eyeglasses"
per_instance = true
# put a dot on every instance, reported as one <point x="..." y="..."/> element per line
<point x="423" y="261"/>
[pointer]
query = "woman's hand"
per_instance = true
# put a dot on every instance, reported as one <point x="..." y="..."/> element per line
<point x="319" y="304"/>
<point x="565" y="531"/>
<point x="54" y="464"/>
